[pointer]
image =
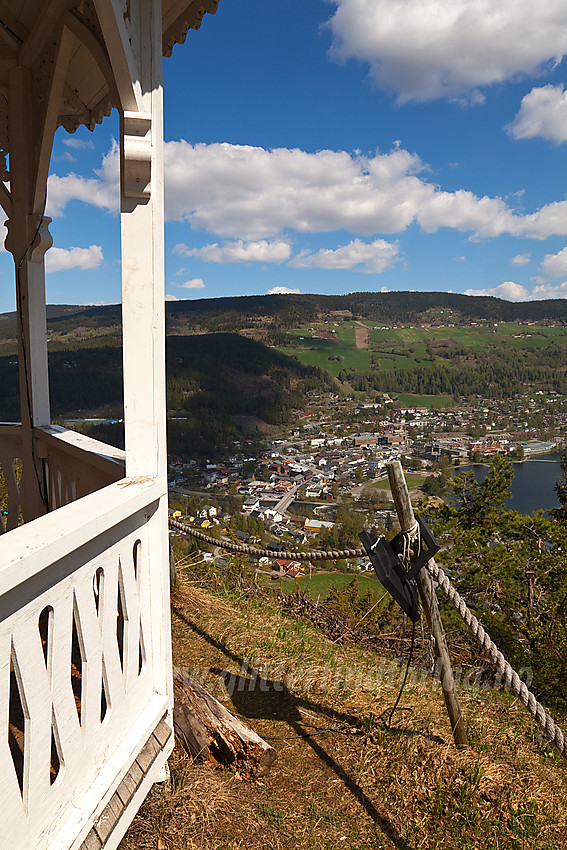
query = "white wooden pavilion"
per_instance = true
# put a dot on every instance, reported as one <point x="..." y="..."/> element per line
<point x="85" y="654"/>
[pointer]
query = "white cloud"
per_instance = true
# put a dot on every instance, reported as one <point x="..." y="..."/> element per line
<point x="374" y="257"/>
<point x="253" y="195"/>
<point x="77" y="144"/>
<point x="170" y="297"/>
<point x="62" y="259"/>
<point x="514" y="292"/>
<point x="101" y="191"/>
<point x="547" y="290"/>
<point x="509" y="290"/>
<point x="195" y="283"/>
<point x="260" y="251"/>
<point x="521" y="259"/>
<point x="283" y="290"/>
<point x="543" y="113"/>
<point x="554" y="265"/>
<point x="426" y="49"/>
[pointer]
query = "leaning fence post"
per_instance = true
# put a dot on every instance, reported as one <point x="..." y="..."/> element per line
<point x="428" y="598"/>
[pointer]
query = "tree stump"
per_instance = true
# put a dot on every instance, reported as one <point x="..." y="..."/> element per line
<point x="210" y="733"/>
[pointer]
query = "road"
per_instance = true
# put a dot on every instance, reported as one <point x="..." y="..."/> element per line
<point x="286" y="500"/>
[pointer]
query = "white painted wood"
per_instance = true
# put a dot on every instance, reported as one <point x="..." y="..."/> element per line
<point x="27" y="239"/>
<point x="11" y="452"/>
<point x="143" y="289"/>
<point x="5" y="199"/>
<point x="102" y="542"/>
<point x="75" y="465"/>
<point x="46" y="25"/>
<point x="95" y="47"/>
<point x="32" y="548"/>
<point x="114" y="18"/>
<point x="57" y="84"/>
<point x="144" y="319"/>
<point x="52" y="563"/>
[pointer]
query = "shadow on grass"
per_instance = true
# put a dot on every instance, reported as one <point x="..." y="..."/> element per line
<point x="259" y="698"/>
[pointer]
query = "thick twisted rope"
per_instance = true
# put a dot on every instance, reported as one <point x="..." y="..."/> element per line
<point x="509" y="676"/>
<point x="284" y="554"/>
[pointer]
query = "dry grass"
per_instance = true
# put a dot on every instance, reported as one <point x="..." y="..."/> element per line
<point x="407" y="788"/>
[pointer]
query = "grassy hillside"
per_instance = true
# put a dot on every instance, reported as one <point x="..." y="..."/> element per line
<point x="436" y="358"/>
<point x="406" y="788"/>
<point x="243" y="363"/>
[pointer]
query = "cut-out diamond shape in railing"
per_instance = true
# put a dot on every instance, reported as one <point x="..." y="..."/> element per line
<point x="104" y="701"/>
<point x="78" y="658"/>
<point x="45" y="625"/>
<point x="98" y="588"/>
<point x="17" y="721"/>
<point x="141" y="652"/>
<point x="136" y="555"/>
<point x="56" y="755"/>
<point x="121" y="617"/>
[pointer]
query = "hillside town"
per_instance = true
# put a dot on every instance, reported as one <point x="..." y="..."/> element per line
<point x="288" y="488"/>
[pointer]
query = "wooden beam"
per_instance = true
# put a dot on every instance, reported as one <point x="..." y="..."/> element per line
<point x="12" y="31"/>
<point x="50" y="117"/>
<point x="126" y="68"/>
<point x="47" y="22"/>
<point x="28" y="238"/>
<point x="8" y="38"/>
<point x="75" y="22"/>
<point x="5" y="200"/>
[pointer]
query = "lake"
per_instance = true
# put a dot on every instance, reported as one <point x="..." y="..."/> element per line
<point x="533" y="483"/>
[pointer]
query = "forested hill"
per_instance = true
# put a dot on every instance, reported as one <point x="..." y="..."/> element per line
<point x="291" y="310"/>
<point x="218" y="386"/>
<point x="286" y="311"/>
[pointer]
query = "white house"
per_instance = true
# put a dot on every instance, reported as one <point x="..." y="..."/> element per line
<point x="85" y="649"/>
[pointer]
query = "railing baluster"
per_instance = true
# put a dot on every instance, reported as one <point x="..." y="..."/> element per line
<point x="35" y="693"/>
<point x="69" y="586"/>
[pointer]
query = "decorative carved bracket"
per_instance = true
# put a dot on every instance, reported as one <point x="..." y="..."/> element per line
<point x="43" y="239"/>
<point x="41" y="242"/>
<point x="137" y="156"/>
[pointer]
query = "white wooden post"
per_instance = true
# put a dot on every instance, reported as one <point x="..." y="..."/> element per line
<point x="143" y="290"/>
<point x="143" y="299"/>
<point x="28" y="239"/>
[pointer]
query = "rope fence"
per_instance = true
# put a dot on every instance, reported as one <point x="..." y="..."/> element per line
<point x="510" y="677"/>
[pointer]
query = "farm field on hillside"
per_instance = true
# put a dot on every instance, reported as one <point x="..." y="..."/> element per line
<point x="430" y="348"/>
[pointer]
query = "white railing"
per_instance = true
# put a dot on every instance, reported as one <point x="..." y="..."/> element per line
<point x="75" y="465"/>
<point x="70" y="464"/>
<point x="84" y="663"/>
<point x="10" y="468"/>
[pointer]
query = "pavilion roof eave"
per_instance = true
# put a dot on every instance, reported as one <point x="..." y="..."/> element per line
<point x="90" y="91"/>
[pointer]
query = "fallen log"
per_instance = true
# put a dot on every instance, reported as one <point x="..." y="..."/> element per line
<point x="210" y="733"/>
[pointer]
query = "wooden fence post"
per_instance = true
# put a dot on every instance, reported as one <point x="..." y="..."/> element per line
<point x="428" y="598"/>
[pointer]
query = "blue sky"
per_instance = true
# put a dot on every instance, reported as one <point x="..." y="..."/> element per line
<point x="338" y="146"/>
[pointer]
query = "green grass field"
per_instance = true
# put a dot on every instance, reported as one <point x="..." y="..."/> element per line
<point x="433" y="402"/>
<point x="408" y="348"/>
<point x="316" y="352"/>
<point x="412" y="479"/>
<point x="320" y="584"/>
